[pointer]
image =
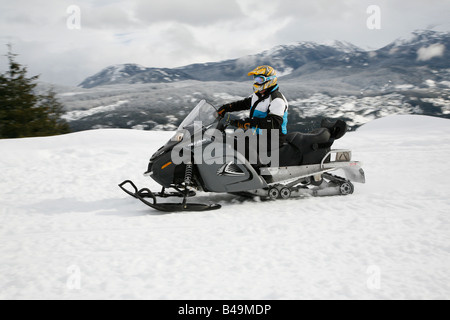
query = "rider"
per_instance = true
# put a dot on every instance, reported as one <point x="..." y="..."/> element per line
<point x="268" y="106"/>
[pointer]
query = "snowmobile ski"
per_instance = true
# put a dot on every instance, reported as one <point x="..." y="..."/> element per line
<point x="142" y="194"/>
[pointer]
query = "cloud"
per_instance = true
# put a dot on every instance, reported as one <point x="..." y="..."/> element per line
<point x="433" y="51"/>
<point x="171" y="33"/>
<point x="198" y="12"/>
<point x="260" y="11"/>
<point x="108" y="17"/>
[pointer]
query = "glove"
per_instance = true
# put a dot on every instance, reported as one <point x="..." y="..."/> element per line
<point x="241" y="124"/>
<point x="223" y="109"/>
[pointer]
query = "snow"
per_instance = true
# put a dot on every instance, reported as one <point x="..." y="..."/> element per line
<point x="343" y="46"/>
<point x="79" y="114"/>
<point x="404" y="86"/>
<point x="285" y="72"/>
<point x="70" y="94"/>
<point x="68" y="232"/>
<point x="430" y="52"/>
<point x="163" y="73"/>
<point x="419" y="36"/>
<point x="430" y="83"/>
<point x="117" y="72"/>
<point x="361" y="109"/>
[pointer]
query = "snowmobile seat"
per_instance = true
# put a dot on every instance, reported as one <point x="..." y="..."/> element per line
<point x="305" y="148"/>
<point x="306" y="142"/>
<point x="337" y="128"/>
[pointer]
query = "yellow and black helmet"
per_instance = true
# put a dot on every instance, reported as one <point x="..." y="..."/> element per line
<point x="264" y="77"/>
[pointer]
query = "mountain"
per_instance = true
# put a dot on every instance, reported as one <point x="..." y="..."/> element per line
<point x="334" y="80"/>
<point x="423" y="51"/>
<point x="424" y="56"/>
<point x="284" y="59"/>
<point x="133" y="73"/>
<point x="424" y="48"/>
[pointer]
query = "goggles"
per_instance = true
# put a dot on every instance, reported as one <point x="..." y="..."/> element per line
<point x="258" y="79"/>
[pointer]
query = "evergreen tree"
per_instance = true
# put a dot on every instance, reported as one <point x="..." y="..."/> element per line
<point x="49" y="121"/>
<point x="23" y="113"/>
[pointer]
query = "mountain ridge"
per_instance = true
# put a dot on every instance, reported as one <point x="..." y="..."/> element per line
<point x="425" y="48"/>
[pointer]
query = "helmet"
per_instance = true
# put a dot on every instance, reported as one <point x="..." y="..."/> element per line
<point x="264" y="77"/>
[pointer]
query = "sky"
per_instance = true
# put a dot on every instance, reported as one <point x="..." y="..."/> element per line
<point x="65" y="41"/>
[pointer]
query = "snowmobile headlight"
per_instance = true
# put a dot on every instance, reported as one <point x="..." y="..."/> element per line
<point x="178" y="137"/>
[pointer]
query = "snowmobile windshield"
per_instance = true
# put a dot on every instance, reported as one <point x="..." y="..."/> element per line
<point x="204" y="114"/>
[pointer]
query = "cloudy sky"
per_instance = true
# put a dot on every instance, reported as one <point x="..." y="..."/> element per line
<point x="171" y="33"/>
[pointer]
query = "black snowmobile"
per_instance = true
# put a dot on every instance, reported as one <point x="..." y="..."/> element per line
<point x="306" y="164"/>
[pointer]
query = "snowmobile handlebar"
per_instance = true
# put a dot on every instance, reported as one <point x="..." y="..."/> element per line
<point x="225" y="120"/>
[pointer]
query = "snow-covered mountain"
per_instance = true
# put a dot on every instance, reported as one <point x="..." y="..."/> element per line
<point x="68" y="232"/>
<point x="424" y="48"/>
<point x="133" y="73"/>
<point x="423" y="56"/>
<point x="164" y="106"/>
<point x="336" y="80"/>
<point x="285" y="59"/>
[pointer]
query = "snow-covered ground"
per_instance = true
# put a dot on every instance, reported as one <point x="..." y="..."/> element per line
<point x="68" y="232"/>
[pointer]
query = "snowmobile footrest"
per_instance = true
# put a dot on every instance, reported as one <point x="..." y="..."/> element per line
<point x="166" y="207"/>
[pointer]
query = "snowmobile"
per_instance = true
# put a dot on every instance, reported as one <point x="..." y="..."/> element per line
<point x="307" y="165"/>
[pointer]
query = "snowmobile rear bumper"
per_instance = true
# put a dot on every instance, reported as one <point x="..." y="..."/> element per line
<point x="142" y="194"/>
<point x="342" y="160"/>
